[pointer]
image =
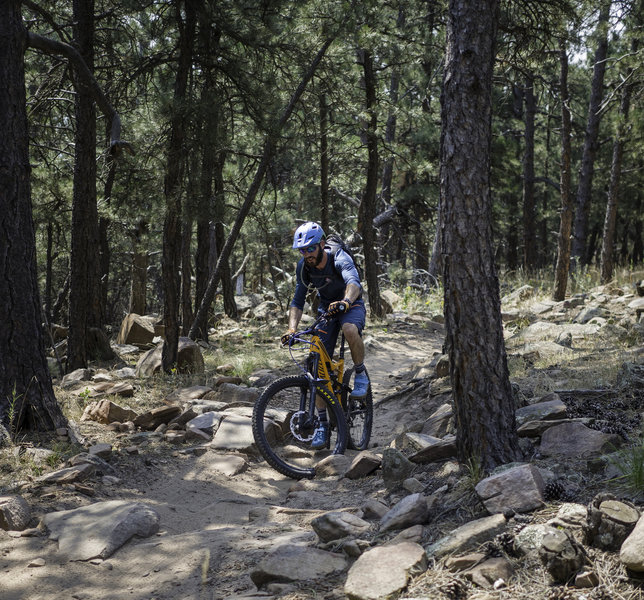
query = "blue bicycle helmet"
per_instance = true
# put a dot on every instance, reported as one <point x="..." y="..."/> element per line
<point x="307" y="234"/>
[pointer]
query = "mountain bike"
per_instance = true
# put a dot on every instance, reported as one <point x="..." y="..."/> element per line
<point x="284" y="416"/>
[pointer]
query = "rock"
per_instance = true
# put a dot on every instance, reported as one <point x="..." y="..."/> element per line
<point x="384" y="571"/>
<point x="207" y="422"/>
<point x="334" y="465"/>
<point x="235" y="433"/>
<point x="486" y="573"/>
<point x="231" y="393"/>
<point x="411" y="510"/>
<point x="396" y="467"/>
<point x="296" y="563"/>
<point x="363" y="464"/>
<point x="106" y="411"/>
<point x="519" y="488"/>
<point x="631" y="554"/>
<point x="189" y="359"/>
<point x="229" y="464"/>
<point x="528" y="540"/>
<point x="374" y="509"/>
<point x="101" y="450"/>
<point x="434" y="452"/>
<point x="468" y="536"/>
<point x="575" y="440"/>
<point x="75" y="377"/>
<point x="183" y="395"/>
<point x="609" y="522"/>
<point x="413" y="534"/>
<point x="413" y="486"/>
<point x="439" y="422"/>
<point x="552" y="410"/>
<point x="561" y="555"/>
<point x="15" y="513"/>
<point x="334" y="525"/>
<point x="69" y="475"/>
<point x="136" y="330"/>
<point x="157" y="416"/>
<point x="98" y="530"/>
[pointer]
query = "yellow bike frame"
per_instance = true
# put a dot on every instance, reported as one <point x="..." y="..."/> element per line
<point x="329" y="372"/>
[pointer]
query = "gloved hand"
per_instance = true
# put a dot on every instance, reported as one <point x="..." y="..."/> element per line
<point x="287" y="337"/>
<point x="338" y="308"/>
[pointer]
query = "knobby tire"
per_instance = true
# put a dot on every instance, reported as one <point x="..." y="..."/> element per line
<point x="359" y="416"/>
<point x="272" y="427"/>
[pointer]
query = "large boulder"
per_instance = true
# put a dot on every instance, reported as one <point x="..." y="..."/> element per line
<point x="189" y="359"/>
<point x="136" y="330"/>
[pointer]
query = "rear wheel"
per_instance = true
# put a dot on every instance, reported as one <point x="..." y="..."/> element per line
<point x="359" y="415"/>
<point x="283" y="429"/>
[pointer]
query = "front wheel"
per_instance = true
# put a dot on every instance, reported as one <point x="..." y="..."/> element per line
<point x="358" y="414"/>
<point x="283" y="428"/>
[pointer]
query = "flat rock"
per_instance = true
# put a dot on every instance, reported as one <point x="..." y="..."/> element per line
<point x="576" y="440"/>
<point x="468" y="536"/>
<point x="98" y="530"/>
<point x="519" y="488"/>
<point x="384" y="571"/>
<point x="296" y="563"/>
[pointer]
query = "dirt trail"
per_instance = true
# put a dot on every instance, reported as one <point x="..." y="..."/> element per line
<point x="207" y="542"/>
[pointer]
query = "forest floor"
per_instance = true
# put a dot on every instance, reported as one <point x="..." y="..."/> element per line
<point x="216" y="527"/>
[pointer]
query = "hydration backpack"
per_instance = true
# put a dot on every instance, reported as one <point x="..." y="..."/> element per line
<point x="334" y="242"/>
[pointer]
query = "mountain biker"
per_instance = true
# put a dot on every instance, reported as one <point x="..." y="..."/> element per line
<point x="338" y="286"/>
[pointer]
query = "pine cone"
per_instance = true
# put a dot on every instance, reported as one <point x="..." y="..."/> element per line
<point x="553" y="490"/>
<point x="560" y="593"/>
<point x="454" y="590"/>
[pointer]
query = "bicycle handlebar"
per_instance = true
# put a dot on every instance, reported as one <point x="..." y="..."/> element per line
<point x="295" y="337"/>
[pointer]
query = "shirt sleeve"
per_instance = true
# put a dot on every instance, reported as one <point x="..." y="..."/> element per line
<point x="299" y="297"/>
<point x="346" y="267"/>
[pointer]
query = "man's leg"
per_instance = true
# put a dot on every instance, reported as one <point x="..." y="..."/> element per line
<point x="353" y="323"/>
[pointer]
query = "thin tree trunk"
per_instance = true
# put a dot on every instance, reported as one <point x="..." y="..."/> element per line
<point x="187" y="314"/>
<point x="591" y="144"/>
<point x="529" y="220"/>
<point x="483" y="401"/>
<point x="324" y="164"/>
<point x="368" y="205"/>
<point x="84" y="293"/>
<point x="172" y="188"/>
<point x="198" y="329"/>
<point x="565" y="221"/>
<point x="138" y="280"/>
<point x="608" y="239"/>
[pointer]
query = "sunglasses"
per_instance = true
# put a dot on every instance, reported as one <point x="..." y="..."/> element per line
<point x="309" y="249"/>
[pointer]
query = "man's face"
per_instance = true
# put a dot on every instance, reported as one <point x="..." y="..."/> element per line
<point x="313" y="254"/>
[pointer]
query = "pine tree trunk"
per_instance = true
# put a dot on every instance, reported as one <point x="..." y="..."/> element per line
<point x="483" y="400"/>
<point x="171" y="262"/>
<point x="84" y="293"/>
<point x="529" y="213"/>
<point x="608" y="238"/>
<point x="27" y="399"/>
<point x="324" y="164"/>
<point x="565" y="221"/>
<point x="591" y="143"/>
<point x="368" y="205"/>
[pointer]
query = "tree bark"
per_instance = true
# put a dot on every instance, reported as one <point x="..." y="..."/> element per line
<point x="565" y="220"/>
<point x="171" y="263"/>
<point x="529" y="216"/>
<point x="591" y="144"/>
<point x="84" y="285"/>
<point x="368" y="204"/>
<point x="324" y="163"/>
<point x="483" y="400"/>
<point x="27" y="399"/>
<point x="198" y="329"/>
<point x="608" y="238"/>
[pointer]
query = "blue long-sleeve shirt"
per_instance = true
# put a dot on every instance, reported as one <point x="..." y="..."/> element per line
<point x="329" y="282"/>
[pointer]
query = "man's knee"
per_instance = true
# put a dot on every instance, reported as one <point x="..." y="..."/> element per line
<point x="350" y="330"/>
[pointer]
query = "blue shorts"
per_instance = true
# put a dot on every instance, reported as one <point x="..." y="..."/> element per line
<point x="357" y="315"/>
